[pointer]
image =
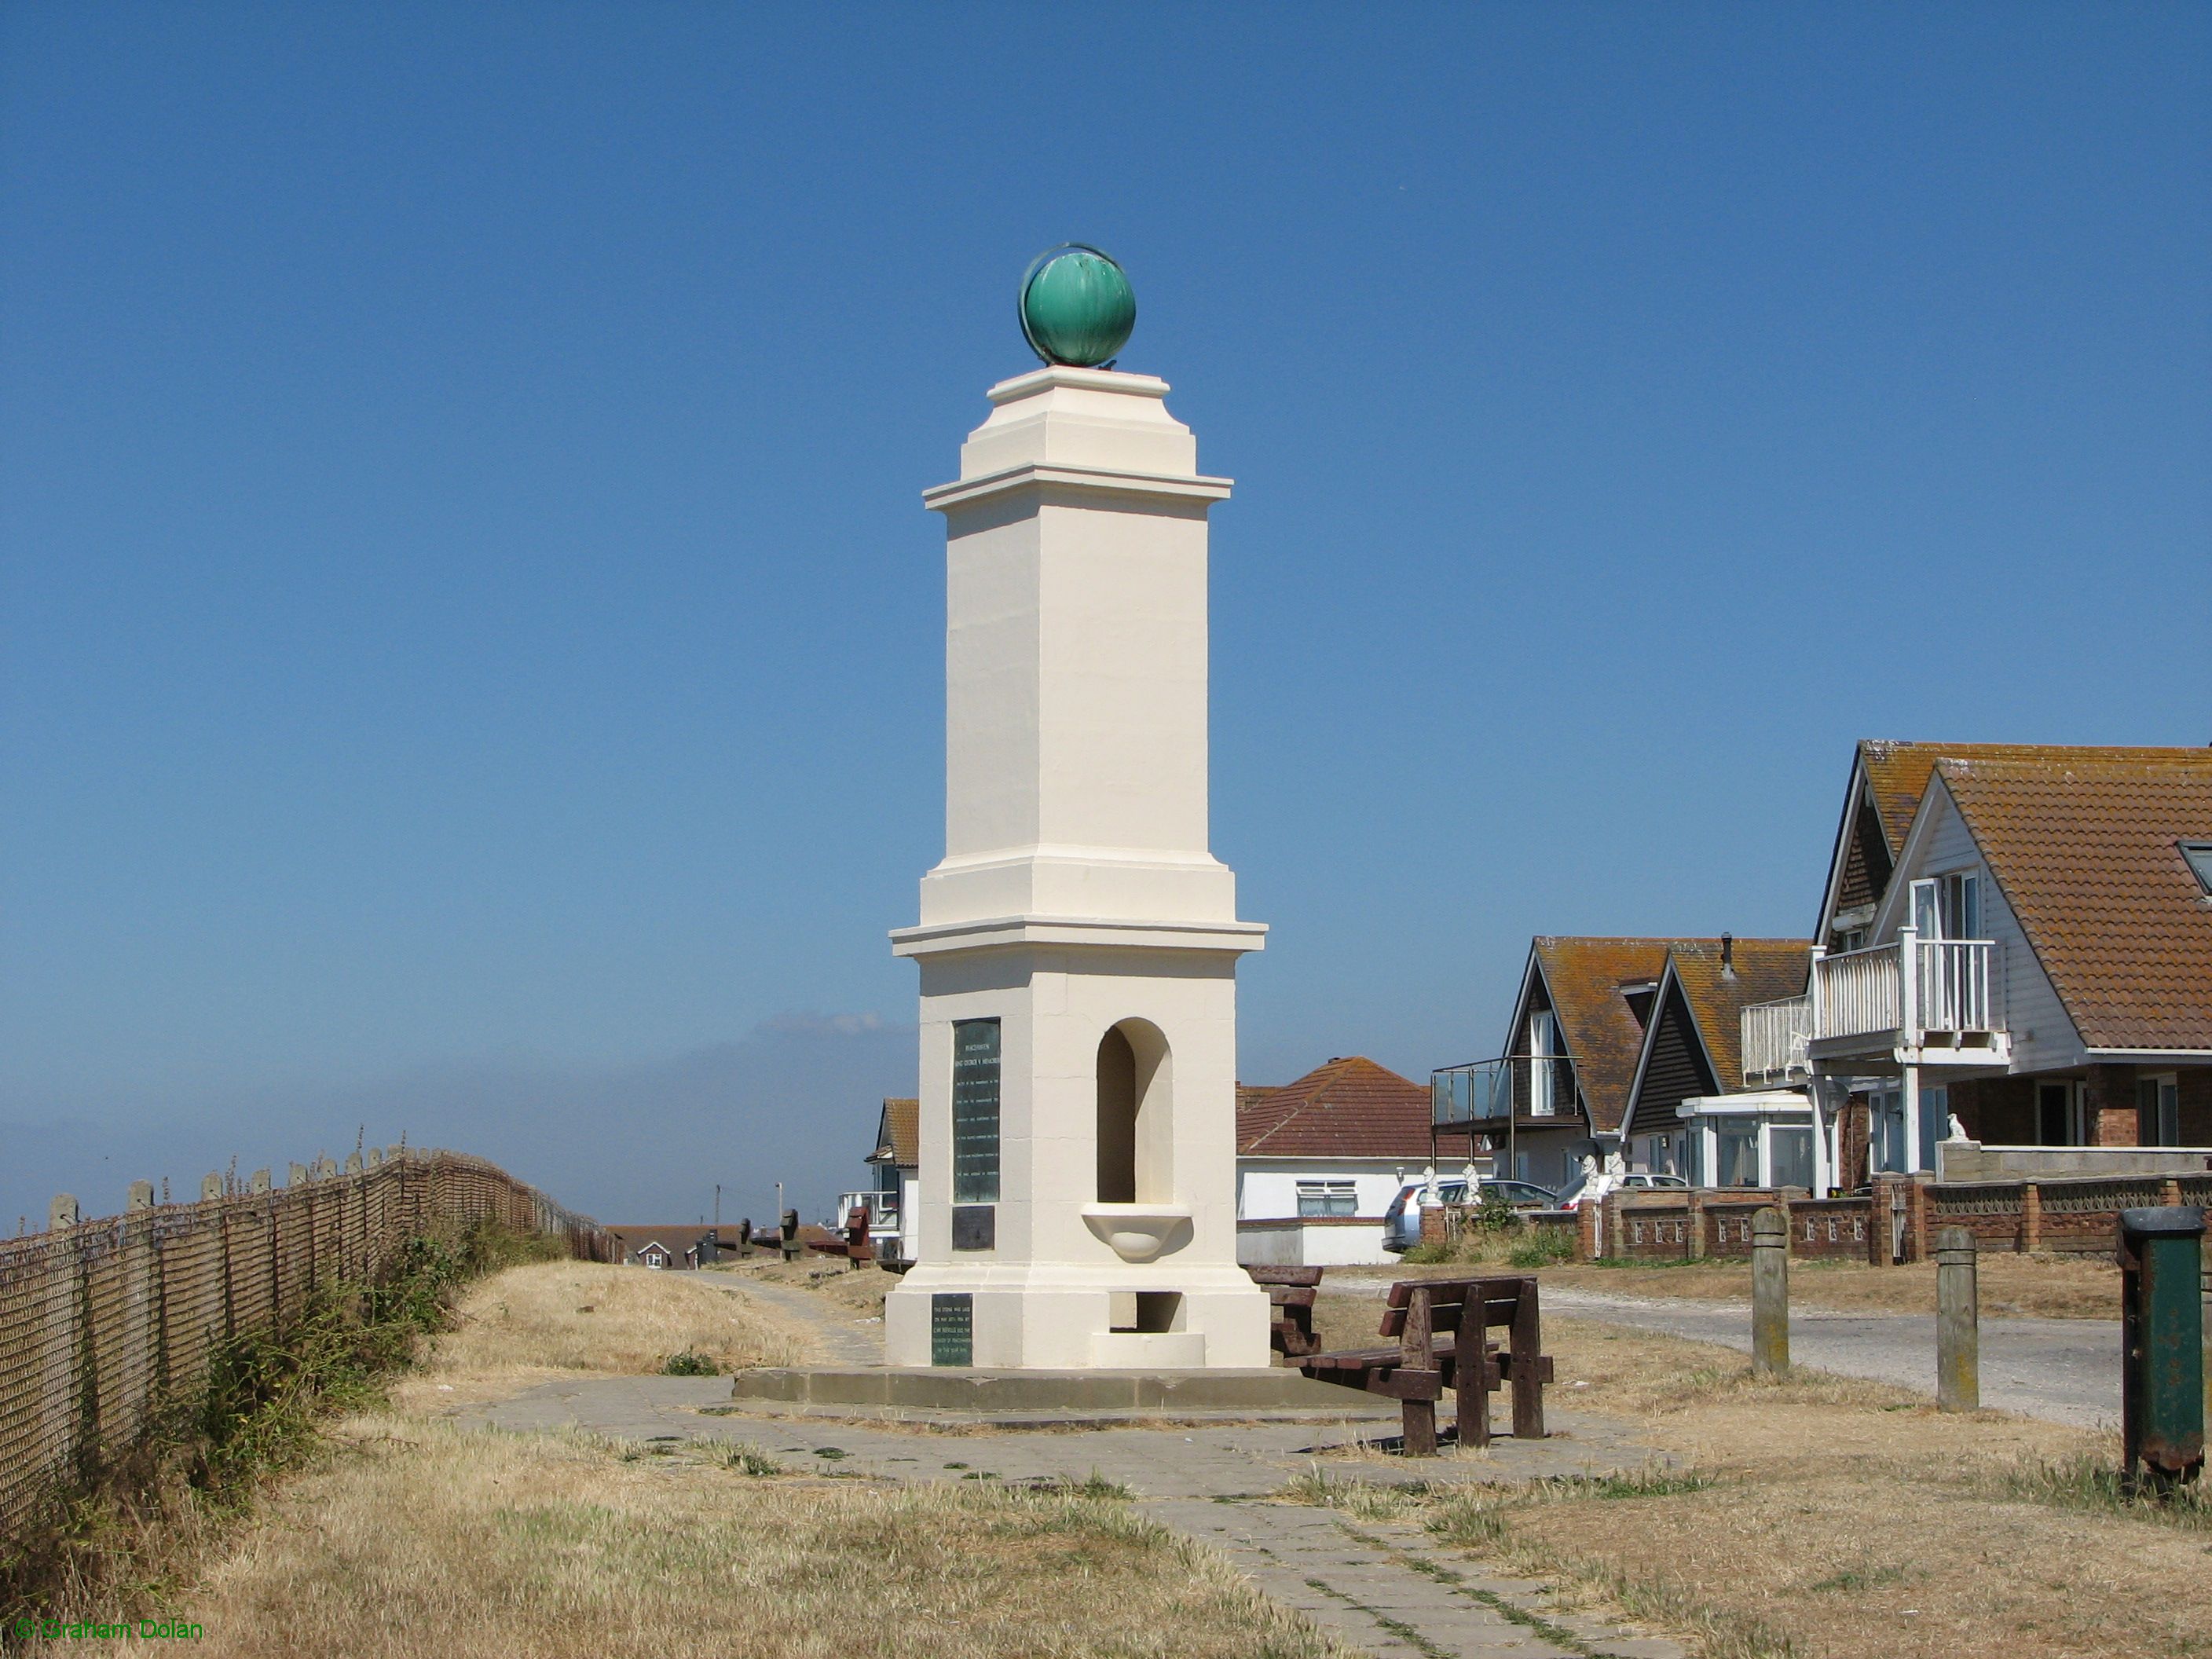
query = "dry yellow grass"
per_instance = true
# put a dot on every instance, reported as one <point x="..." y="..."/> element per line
<point x="2012" y="1286"/>
<point x="2050" y="1286"/>
<point x="565" y="1548"/>
<point x="861" y="1289"/>
<point x="1832" y="1519"/>
<point x="561" y="1318"/>
<point x="414" y="1537"/>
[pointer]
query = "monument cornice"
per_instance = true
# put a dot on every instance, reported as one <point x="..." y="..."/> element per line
<point x="1099" y="480"/>
<point x="994" y="932"/>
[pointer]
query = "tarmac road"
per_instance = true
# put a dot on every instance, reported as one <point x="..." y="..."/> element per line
<point x="2065" y="1371"/>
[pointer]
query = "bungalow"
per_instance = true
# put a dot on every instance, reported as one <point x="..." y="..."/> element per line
<point x="1694" y="1110"/>
<point x="1319" y="1160"/>
<point x="673" y="1246"/>
<point x="2015" y="946"/>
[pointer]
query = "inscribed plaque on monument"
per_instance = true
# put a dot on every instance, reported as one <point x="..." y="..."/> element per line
<point x="976" y="1111"/>
<point x="974" y="1227"/>
<point x="951" y="1329"/>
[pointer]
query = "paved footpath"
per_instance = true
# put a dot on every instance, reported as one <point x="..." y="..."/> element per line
<point x="1382" y="1590"/>
<point x="2064" y="1370"/>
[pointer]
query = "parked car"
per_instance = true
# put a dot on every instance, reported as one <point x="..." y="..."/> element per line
<point x="1401" y="1222"/>
<point x="1572" y="1199"/>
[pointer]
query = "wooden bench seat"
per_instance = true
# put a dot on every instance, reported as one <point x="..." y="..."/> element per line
<point x="1291" y="1292"/>
<point x="1432" y="1320"/>
<point x="854" y="1246"/>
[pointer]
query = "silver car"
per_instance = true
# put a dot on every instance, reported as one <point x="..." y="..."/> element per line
<point x="1401" y="1222"/>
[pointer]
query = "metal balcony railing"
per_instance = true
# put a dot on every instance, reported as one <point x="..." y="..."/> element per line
<point x="1501" y="1090"/>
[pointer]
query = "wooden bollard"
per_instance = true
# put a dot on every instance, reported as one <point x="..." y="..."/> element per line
<point x="1770" y="1293"/>
<point x="1958" y="1323"/>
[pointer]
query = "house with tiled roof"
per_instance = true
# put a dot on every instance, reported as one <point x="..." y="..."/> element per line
<point x="1319" y="1160"/>
<point x="1560" y="1091"/>
<point x="2016" y="956"/>
<point x="1692" y="1109"/>
<point x="892" y="1194"/>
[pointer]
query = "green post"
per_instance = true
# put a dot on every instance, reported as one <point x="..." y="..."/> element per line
<point x="2204" y="1315"/>
<point x="2162" y="1340"/>
<point x="1770" y="1293"/>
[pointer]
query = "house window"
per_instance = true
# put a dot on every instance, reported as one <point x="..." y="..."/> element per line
<point x="975" y="1111"/>
<point x="2199" y="854"/>
<point x="1934" y="1122"/>
<point x="1959" y="905"/>
<point x="1851" y="938"/>
<point x="1885" y="1131"/>
<point x="1328" y="1197"/>
<point x="1736" y="1154"/>
<point x="1790" y="1152"/>
<point x="1543" y="1045"/>
<point x="2157" y="1111"/>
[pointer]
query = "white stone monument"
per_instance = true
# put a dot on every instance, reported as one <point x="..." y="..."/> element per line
<point x="1079" y="942"/>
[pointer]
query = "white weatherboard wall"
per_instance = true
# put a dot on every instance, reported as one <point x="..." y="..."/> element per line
<point x="2043" y="1035"/>
<point x="1077" y="896"/>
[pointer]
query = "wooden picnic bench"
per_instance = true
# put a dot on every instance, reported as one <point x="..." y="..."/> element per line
<point x="854" y="1246"/>
<point x="1442" y="1327"/>
<point x="1291" y="1293"/>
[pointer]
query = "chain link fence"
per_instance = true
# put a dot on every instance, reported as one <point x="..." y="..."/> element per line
<point x="100" y="1321"/>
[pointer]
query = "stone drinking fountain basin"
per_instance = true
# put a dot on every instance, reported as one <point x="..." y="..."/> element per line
<point x="1138" y="1232"/>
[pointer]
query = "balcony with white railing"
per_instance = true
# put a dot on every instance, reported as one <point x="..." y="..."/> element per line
<point x="883" y="1211"/>
<point x="1775" y="1036"/>
<point x="1922" y="1001"/>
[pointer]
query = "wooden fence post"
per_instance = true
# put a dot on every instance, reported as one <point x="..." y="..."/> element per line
<point x="1770" y="1293"/>
<point x="1958" y="1329"/>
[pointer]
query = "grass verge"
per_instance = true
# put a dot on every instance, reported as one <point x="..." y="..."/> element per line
<point x="565" y="1546"/>
<point x="578" y="1318"/>
<point x="2013" y="1286"/>
<point x="1823" y="1517"/>
<point x="119" y="1539"/>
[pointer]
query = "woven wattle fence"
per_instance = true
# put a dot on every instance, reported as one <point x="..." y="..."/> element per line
<point x="102" y="1321"/>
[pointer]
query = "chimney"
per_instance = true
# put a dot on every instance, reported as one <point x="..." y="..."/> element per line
<point x="1728" y="955"/>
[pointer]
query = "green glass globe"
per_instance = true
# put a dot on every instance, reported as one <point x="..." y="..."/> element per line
<point x="1076" y="306"/>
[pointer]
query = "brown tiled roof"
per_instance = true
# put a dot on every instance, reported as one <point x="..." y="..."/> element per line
<point x="1711" y="1001"/>
<point x="2082" y="844"/>
<point x="1259" y="1112"/>
<point x="1584" y="977"/>
<point x="675" y="1239"/>
<point x="1766" y="970"/>
<point x="1897" y="773"/>
<point x="1350" y="1108"/>
<point x="898" y="1134"/>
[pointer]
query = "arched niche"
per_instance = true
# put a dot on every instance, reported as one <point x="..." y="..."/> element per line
<point x="1136" y="1111"/>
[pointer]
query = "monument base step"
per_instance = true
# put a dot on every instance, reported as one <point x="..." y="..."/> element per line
<point x="1038" y="1397"/>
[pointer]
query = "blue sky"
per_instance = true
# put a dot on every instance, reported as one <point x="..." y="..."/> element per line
<point x="473" y="651"/>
